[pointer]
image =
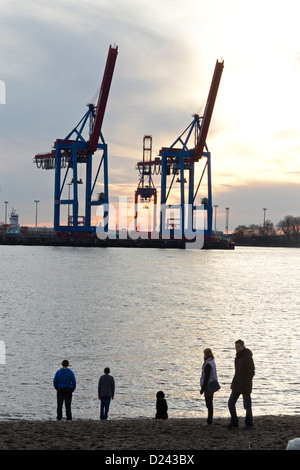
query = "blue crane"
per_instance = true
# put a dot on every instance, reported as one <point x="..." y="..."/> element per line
<point x="180" y="160"/>
<point x="76" y="150"/>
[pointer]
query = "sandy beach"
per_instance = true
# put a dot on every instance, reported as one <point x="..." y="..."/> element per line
<point x="268" y="433"/>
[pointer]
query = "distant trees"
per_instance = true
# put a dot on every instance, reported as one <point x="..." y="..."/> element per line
<point x="254" y="230"/>
<point x="289" y="227"/>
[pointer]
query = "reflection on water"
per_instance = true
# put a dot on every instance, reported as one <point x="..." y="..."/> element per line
<point x="148" y="315"/>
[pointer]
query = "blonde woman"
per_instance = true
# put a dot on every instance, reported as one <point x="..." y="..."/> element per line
<point x="209" y="382"/>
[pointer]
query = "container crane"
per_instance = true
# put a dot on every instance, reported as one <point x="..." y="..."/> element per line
<point x="74" y="149"/>
<point x="180" y="159"/>
<point x="146" y="190"/>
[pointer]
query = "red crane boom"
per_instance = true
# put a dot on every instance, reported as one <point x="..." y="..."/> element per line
<point x="208" y="110"/>
<point x="102" y="99"/>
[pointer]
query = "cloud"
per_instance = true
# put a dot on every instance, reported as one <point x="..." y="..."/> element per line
<point x="53" y="58"/>
<point x="287" y="134"/>
<point x="247" y="201"/>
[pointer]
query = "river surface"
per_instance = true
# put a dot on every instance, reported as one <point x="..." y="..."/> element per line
<point x="147" y="314"/>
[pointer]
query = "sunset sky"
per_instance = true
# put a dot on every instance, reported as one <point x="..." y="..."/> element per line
<point x="52" y="60"/>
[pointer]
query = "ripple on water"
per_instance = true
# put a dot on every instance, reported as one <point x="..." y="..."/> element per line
<point x="148" y="314"/>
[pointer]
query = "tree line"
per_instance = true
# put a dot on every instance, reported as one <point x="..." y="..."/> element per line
<point x="289" y="227"/>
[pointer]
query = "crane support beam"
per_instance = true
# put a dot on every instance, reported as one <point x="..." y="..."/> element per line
<point x="146" y="190"/>
<point x="102" y="99"/>
<point x="208" y="110"/>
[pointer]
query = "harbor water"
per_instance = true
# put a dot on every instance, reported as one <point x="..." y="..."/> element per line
<point x="147" y="314"/>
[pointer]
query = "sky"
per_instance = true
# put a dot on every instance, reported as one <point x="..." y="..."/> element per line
<point x="53" y="55"/>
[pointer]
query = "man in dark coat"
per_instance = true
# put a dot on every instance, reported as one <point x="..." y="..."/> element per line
<point x="242" y="384"/>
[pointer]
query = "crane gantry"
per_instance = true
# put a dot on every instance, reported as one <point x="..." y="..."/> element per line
<point x="177" y="164"/>
<point x="74" y="150"/>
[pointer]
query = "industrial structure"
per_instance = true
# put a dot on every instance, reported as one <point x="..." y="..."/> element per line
<point x="74" y="150"/>
<point x="187" y="162"/>
<point x="146" y="191"/>
<point x="14" y="227"/>
<point x="177" y="164"/>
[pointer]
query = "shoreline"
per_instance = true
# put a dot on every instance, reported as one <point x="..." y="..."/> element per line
<point x="268" y="433"/>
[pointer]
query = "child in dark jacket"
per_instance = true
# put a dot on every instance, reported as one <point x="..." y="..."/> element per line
<point x="161" y="406"/>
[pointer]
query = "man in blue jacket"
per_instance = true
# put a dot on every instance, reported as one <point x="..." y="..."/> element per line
<point x="65" y="383"/>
